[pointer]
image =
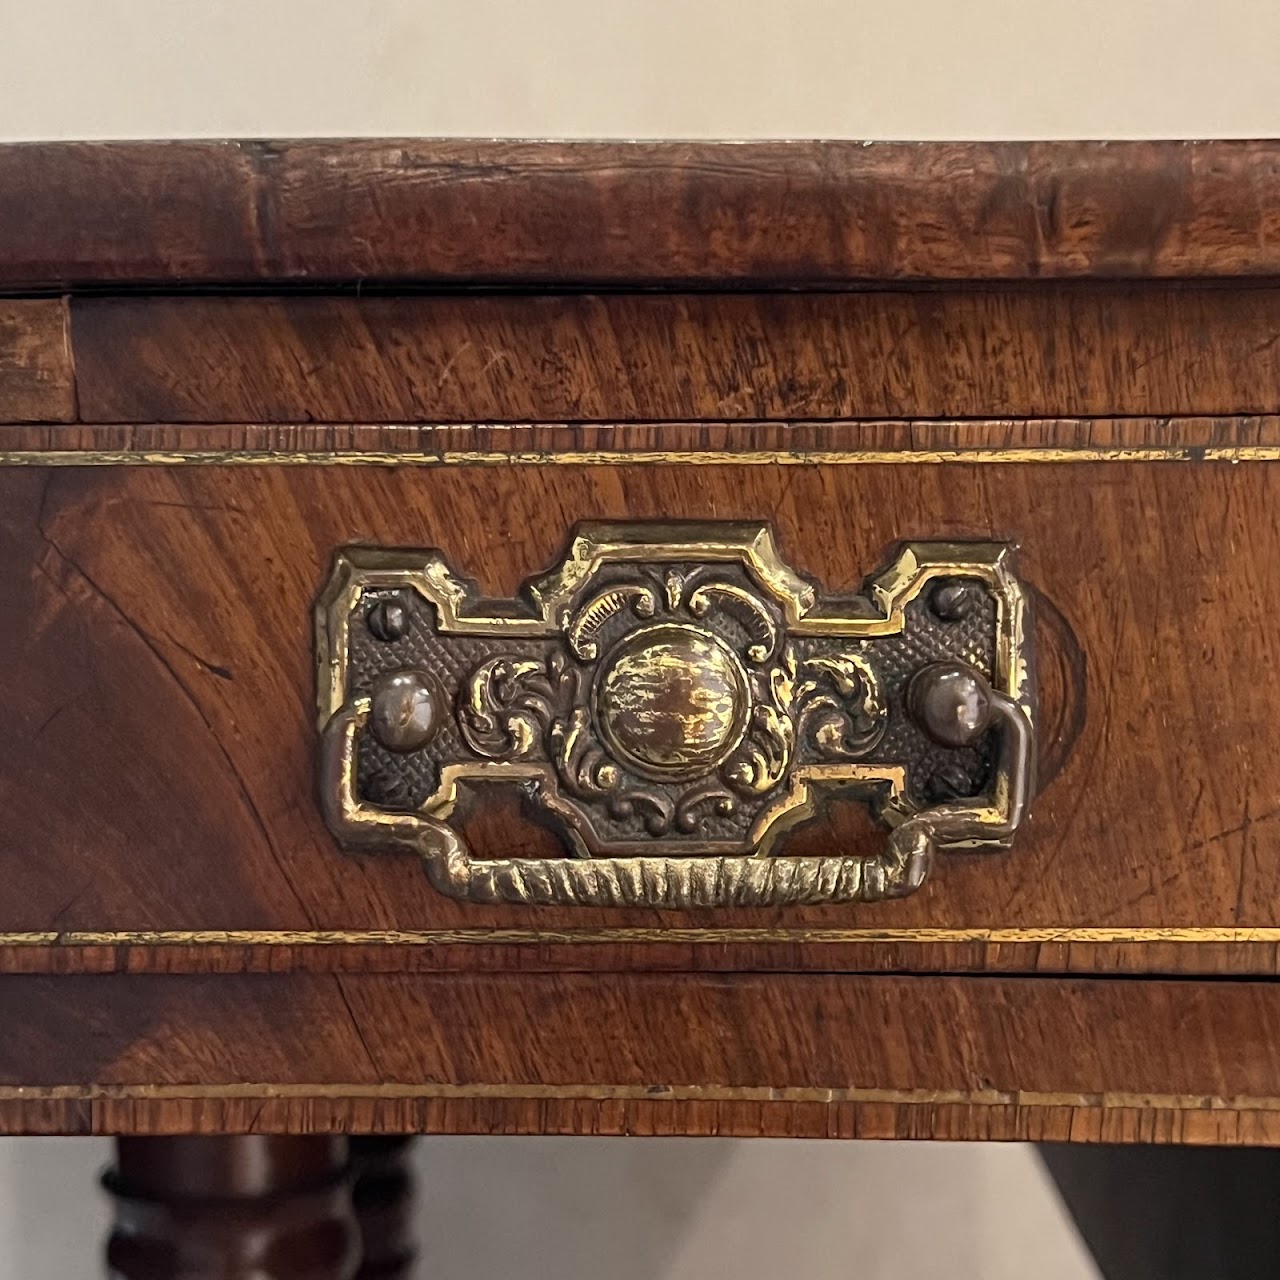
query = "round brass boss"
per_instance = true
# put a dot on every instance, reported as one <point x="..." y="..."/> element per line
<point x="671" y="701"/>
<point x="406" y="709"/>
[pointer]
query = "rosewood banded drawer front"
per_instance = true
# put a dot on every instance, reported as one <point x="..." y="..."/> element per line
<point x="648" y="639"/>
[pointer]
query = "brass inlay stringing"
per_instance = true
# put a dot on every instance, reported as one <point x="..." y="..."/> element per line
<point x="1046" y="935"/>
<point x="828" y="1095"/>
<point x="678" y="698"/>
<point x="631" y="457"/>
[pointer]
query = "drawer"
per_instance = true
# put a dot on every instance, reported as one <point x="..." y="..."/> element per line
<point x="207" y="493"/>
<point x="162" y="657"/>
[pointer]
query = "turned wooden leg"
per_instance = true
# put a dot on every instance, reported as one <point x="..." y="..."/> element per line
<point x="383" y="1194"/>
<point x="233" y="1208"/>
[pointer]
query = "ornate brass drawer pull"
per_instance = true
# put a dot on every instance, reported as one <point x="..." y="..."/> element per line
<point x="678" y="698"/>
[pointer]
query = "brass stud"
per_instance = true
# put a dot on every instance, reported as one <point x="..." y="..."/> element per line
<point x="405" y="710"/>
<point x="951" y="702"/>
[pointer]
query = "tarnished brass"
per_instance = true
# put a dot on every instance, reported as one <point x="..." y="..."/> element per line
<point x="799" y="457"/>
<point x="678" y="698"/>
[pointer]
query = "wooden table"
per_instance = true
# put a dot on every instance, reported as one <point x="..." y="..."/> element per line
<point x="695" y="792"/>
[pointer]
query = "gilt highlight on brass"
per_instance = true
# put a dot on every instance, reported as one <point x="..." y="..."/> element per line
<point x="677" y="699"/>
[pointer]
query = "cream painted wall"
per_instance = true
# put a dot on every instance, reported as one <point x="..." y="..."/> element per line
<point x="638" y="1210"/>
<point x="650" y="68"/>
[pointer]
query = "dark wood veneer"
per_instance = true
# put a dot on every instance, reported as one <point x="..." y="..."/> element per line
<point x="1052" y="1059"/>
<point x="164" y="618"/>
<point x="768" y="213"/>
<point x="1069" y="346"/>
<point x="37" y="381"/>
<point x="1058" y="351"/>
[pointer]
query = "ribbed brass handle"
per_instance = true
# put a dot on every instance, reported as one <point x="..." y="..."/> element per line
<point x="678" y="699"/>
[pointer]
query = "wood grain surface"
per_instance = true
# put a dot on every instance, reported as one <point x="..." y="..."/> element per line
<point x="158" y="770"/>
<point x="739" y="1055"/>
<point x="798" y="443"/>
<point x="819" y="213"/>
<point x="1057" y="351"/>
<point x="1068" y="346"/>
<point x="37" y="383"/>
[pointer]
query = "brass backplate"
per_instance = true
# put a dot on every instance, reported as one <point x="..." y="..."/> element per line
<point x="674" y="696"/>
